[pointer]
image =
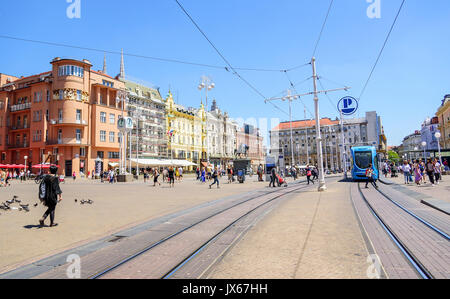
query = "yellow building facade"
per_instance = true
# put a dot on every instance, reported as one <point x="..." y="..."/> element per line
<point x="186" y="131"/>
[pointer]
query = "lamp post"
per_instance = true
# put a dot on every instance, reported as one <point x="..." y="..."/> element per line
<point x="438" y="136"/>
<point x="206" y="84"/>
<point x="26" y="157"/>
<point x="137" y="115"/>
<point x="424" y="144"/>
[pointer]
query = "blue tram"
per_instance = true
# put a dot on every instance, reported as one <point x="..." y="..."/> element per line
<point x="362" y="156"/>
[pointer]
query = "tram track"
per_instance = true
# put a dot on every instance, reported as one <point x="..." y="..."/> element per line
<point x="404" y="227"/>
<point x="268" y="197"/>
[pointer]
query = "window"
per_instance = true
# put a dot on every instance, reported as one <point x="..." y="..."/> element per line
<point x="103" y="117"/>
<point x="61" y="94"/>
<point x="107" y="83"/>
<point x="100" y="154"/>
<point x="78" y="115"/>
<point x="78" y="135"/>
<point x="60" y="115"/>
<point x="78" y="95"/>
<point x="48" y="95"/>
<point x="112" y="137"/>
<point x="112" y="118"/>
<point x="82" y="152"/>
<point x="119" y="137"/>
<point x="103" y="136"/>
<point x="113" y="155"/>
<point x="71" y="70"/>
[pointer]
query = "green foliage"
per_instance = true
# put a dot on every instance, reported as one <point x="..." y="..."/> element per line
<point x="393" y="156"/>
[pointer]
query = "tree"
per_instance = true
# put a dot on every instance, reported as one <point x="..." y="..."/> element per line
<point x="393" y="156"/>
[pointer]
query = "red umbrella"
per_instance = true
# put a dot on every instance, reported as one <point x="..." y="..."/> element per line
<point x="44" y="166"/>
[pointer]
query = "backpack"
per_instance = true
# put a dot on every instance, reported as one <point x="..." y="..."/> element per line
<point x="309" y="173"/>
<point x="45" y="189"/>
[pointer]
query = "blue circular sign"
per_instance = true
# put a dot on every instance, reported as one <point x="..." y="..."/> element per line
<point x="348" y="105"/>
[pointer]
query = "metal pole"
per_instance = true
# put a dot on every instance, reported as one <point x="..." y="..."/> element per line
<point x="322" y="186"/>
<point x="137" y="146"/>
<point x="343" y="149"/>
<point x="290" y="124"/>
<point x="129" y="137"/>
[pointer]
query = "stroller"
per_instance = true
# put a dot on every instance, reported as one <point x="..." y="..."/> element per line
<point x="281" y="181"/>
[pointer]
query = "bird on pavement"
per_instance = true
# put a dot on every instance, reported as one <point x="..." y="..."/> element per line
<point x="35" y="205"/>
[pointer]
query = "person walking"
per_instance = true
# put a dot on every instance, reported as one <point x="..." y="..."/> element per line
<point x="49" y="191"/>
<point x="417" y="173"/>
<point x="370" y="177"/>
<point x="230" y="174"/>
<point x="215" y="178"/>
<point x="171" y="174"/>
<point x="422" y="171"/>
<point x="308" y="174"/>
<point x="406" y="171"/>
<point x="437" y="171"/>
<point x="155" y="177"/>
<point x="429" y="167"/>
<point x="180" y="173"/>
<point x="273" y="177"/>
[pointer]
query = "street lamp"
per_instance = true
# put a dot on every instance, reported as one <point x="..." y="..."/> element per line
<point x="438" y="136"/>
<point x="424" y="144"/>
<point x="206" y="84"/>
<point x="290" y="97"/>
<point x="26" y="157"/>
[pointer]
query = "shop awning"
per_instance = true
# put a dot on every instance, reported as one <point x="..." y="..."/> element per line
<point x="161" y="162"/>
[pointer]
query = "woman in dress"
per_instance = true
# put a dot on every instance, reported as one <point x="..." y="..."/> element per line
<point x="417" y="173"/>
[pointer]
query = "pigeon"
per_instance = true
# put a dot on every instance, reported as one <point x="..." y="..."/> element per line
<point x="90" y="201"/>
<point x="18" y="201"/>
<point x="26" y="209"/>
<point x="10" y="201"/>
<point x="35" y="205"/>
<point x="76" y="200"/>
<point x="15" y="196"/>
<point x="24" y="206"/>
<point x="82" y="201"/>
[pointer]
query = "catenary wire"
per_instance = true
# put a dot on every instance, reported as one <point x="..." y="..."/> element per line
<point x="223" y="57"/>
<point x="139" y="56"/>
<point x="323" y="27"/>
<point x="382" y="49"/>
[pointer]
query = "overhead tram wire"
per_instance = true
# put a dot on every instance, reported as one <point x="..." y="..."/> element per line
<point x="382" y="49"/>
<point x="328" y="97"/>
<point x="301" y="100"/>
<point x="323" y="27"/>
<point x="139" y="56"/>
<point x="224" y="59"/>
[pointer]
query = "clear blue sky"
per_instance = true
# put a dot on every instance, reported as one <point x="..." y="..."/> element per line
<point x="407" y="86"/>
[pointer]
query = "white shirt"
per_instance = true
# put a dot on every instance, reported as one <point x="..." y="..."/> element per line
<point x="406" y="168"/>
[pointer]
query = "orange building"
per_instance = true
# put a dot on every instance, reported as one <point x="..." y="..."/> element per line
<point x="70" y="112"/>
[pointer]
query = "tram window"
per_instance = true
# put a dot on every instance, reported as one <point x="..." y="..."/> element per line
<point x="363" y="159"/>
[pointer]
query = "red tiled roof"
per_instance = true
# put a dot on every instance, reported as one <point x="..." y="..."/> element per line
<point x="100" y="73"/>
<point x="20" y="79"/>
<point x="305" y="124"/>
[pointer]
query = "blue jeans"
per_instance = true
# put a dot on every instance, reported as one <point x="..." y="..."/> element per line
<point x="406" y="174"/>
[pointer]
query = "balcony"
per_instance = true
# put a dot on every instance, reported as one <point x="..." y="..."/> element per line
<point x="18" y="145"/>
<point x="62" y="122"/>
<point x="20" y="107"/>
<point x="64" y="141"/>
<point x="21" y="127"/>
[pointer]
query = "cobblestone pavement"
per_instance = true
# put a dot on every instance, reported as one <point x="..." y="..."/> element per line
<point x="313" y="235"/>
<point x="116" y="207"/>
<point x="440" y="191"/>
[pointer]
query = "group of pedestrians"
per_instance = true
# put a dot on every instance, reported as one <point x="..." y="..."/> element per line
<point x="420" y="170"/>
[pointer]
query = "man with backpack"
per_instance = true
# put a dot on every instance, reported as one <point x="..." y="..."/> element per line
<point x="309" y="174"/>
<point x="49" y="192"/>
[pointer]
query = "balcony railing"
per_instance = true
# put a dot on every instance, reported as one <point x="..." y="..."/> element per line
<point x="18" y="145"/>
<point x="70" y="141"/>
<point x="68" y="122"/>
<point x="20" y="107"/>
<point x="21" y="127"/>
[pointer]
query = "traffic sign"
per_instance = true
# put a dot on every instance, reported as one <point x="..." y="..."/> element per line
<point x="348" y="105"/>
